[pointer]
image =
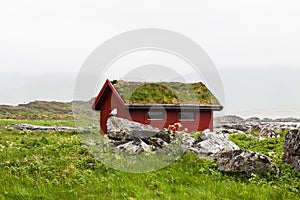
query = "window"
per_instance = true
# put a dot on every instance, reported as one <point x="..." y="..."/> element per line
<point x="155" y="115"/>
<point x="190" y="116"/>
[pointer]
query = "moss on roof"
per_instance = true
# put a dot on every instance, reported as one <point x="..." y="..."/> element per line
<point x="165" y="93"/>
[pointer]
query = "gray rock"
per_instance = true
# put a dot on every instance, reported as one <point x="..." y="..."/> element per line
<point x="227" y="131"/>
<point x="206" y="131"/>
<point x="268" y="133"/>
<point x="136" y="146"/>
<point x="126" y="136"/>
<point x="245" y="163"/>
<point x="91" y="143"/>
<point x="255" y="127"/>
<point x="117" y="142"/>
<point x="291" y="149"/>
<point x="42" y="128"/>
<point x="157" y="142"/>
<point x="213" y="143"/>
<point x="240" y="127"/>
<point x="166" y="135"/>
<point x="186" y="139"/>
<point x="123" y="129"/>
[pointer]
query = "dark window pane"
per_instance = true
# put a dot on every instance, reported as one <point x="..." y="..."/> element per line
<point x="155" y="115"/>
<point x="186" y="116"/>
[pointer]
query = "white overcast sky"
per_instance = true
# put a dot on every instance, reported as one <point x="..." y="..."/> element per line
<point x="44" y="43"/>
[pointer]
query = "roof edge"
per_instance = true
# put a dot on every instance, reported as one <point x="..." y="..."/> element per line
<point x="107" y="83"/>
<point x="175" y="107"/>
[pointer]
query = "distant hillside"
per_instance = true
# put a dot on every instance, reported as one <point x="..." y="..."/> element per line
<point x="37" y="107"/>
<point x="44" y="110"/>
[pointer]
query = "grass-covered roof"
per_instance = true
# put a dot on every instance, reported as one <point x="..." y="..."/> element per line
<point x="165" y="93"/>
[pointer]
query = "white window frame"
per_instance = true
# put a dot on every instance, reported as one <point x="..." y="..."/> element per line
<point x="161" y="112"/>
<point x="194" y="116"/>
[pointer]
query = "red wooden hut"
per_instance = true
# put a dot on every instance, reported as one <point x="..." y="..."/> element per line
<point x="159" y="104"/>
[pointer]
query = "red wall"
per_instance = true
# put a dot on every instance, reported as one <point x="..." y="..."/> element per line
<point x="203" y="119"/>
<point x="206" y="120"/>
<point x="142" y="117"/>
<point x="105" y="108"/>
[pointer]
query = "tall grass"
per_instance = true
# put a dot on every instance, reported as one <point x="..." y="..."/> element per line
<point x="54" y="165"/>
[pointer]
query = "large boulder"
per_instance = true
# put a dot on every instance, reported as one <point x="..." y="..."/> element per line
<point x="157" y="143"/>
<point x="135" y="146"/>
<point x="255" y="127"/>
<point x="210" y="143"/>
<point x="123" y="129"/>
<point x="245" y="163"/>
<point x="186" y="140"/>
<point x="166" y="135"/>
<point x="241" y="126"/>
<point x="134" y="137"/>
<point x="42" y="128"/>
<point x="291" y="148"/>
<point x="268" y="132"/>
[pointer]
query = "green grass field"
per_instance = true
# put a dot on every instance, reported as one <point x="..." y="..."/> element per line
<point x="54" y="165"/>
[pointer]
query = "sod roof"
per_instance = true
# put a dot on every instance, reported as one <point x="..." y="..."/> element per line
<point x="174" y="93"/>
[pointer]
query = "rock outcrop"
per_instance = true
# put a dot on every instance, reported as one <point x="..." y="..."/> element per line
<point x="48" y="128"/>
<point x="267" y="128"/>
<point x="291" y="149"/>
<point x="268" y="133"/>
<point x="136" y="146"/>
<point x="245" y="163"/>
<point x="123" y="129"/>
<point x="210" y="143"/>
<point x="136" y="138"/>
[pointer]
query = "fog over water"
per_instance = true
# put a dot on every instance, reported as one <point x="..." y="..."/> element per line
<point x="272" y="92"/>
